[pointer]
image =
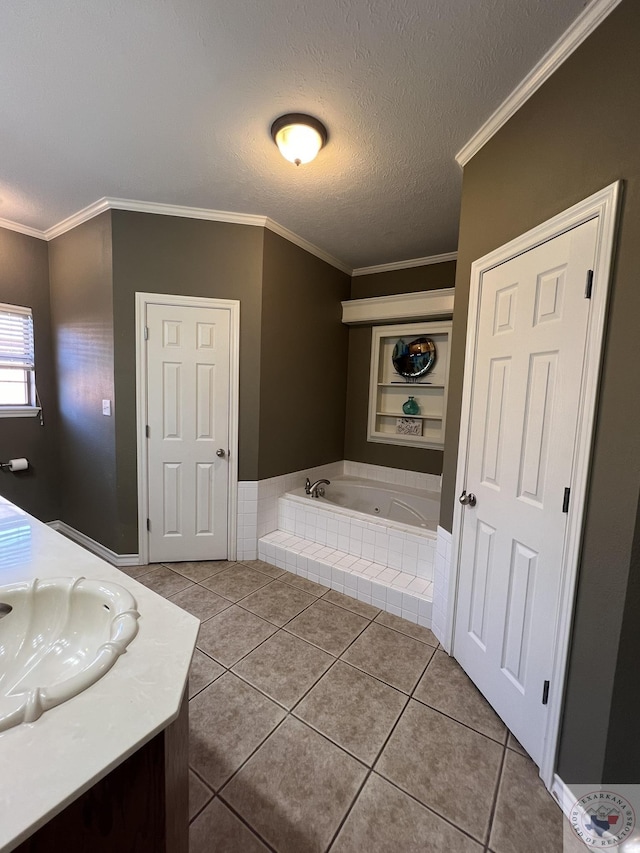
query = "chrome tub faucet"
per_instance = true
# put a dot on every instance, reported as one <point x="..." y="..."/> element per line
<point x="316" y="490"/>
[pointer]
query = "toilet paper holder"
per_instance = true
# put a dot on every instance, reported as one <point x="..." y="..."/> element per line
<point x="13" y="465"/>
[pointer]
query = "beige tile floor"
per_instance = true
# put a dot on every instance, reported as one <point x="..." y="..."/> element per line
<point x="319" y="723"/>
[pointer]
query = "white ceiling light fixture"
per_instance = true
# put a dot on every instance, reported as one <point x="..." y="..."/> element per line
<point x="299" y="137"/>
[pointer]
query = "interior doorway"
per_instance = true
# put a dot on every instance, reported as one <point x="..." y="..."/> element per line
<point x="187" y="416"/>
<point x="535" y="331"/>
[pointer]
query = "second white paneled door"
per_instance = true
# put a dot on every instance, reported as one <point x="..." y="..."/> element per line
<point x="188" y="399"/>
<point x="532" y="330"/>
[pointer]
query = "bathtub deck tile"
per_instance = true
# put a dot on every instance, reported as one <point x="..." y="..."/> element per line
<point x="387" y="576"/>
<point x="334" y="554"/>
<point x="373" y="570"/>
<point x="418" y="585"/>
<point x="401" y="593"/>
<point x="403" y="580"/>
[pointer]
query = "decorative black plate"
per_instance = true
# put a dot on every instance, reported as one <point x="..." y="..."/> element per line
<point x="414" y="359"/>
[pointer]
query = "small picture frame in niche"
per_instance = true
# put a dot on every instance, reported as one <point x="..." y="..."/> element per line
<point x="408" y="426"/>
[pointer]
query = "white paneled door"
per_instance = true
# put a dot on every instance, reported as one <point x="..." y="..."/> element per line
<point x="533" y="320"/>
<point x="188" y="384"/>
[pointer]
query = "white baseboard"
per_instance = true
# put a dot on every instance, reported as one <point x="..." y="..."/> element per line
<point x="563" y="795"/>
<point x="117" y="560"/>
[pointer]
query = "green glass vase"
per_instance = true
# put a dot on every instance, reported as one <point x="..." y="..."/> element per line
<point x="411" y="407"/>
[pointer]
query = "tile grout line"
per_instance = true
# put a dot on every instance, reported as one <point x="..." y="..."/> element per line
<point x="391" y="782"/>
<point x="288" y="714"/>
<point x="262" y="642"/>
<point x="297" y="702"/>
<point x="494" y="804"/>
<point x="305" y="640"/>
<point x="244" y="822"/>
<point x="209" y="801"/>
<point x="429" y="808"/>
<point x="213" y="681"/>
<point x="336" y="658"/>
<point x="349" y="810"/>
<point x="370" y="771"/>
<point x="454" y="719"/>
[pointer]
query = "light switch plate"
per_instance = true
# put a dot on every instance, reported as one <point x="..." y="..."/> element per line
<point x="106" y="407"/>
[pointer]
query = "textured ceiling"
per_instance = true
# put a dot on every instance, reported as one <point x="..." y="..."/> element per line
<point x="171" y="101"/>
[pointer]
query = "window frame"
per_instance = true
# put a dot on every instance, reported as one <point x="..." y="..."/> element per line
<point x="31" y="409"/>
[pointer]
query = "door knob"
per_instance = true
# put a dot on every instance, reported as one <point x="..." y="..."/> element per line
<point x="467" y="499"/>
<point x="220" y="452"/>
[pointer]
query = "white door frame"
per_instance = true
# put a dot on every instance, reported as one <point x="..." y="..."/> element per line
<point x="233" y="307"/>
<point x="604" y="205"/>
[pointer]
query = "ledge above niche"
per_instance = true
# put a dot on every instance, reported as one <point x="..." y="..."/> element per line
<point x="402" y="306"/>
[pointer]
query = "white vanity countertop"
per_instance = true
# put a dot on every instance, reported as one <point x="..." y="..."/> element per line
<point x="47" y="764"/>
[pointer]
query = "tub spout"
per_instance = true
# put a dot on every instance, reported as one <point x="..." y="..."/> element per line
<point x="314" y="490"/>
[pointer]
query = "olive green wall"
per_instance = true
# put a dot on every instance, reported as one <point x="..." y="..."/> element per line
<point x="24" y="280"/>
<point x="187" y="257"/>
<point x="82" y="322"/>
<point x="356" y="446"/>
<point x="411" y="280"/>
<point x="303" y="357"/>
<point x="622" y="756"/>
<point x="576" y="135"/>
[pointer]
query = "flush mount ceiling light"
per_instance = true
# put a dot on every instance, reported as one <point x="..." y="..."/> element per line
<point x="299" y="137"/>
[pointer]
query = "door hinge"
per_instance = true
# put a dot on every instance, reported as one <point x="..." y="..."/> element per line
<point x="149" y="525"/>
<point x="565" y="500"/>
<point x="146" y="333"/>
<point x="589" y="285"/>
<point x="545" y="693"/>
<point x="147" y="431"/>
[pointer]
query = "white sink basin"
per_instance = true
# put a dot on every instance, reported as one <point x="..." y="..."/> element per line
<point x="57" y="637"/>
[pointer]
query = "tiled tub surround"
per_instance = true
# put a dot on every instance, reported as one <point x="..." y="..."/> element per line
<point x="397" y="592"/>
<point x="384" y="502"/>
<point x="258" y="504"/>
<point x="402" y="547"/>
<point x="441" y="586"/>
<point x="258" y="499"/>
<point x="380" y="562"/>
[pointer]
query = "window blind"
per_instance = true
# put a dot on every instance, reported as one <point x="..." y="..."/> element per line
<point x="16" y="337"/>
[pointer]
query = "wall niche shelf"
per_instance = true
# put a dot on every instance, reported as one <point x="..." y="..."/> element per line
<point x="388" y="390"/>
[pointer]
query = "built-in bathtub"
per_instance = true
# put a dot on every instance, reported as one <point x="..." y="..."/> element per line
<point x="405" y="506"/>
<point x="384" y="557"/>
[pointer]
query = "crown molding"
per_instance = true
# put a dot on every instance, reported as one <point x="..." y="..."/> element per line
<point x="22" y="229"/>
<point x="77" y="219"/>
<point x="307" y="246"/>
<point x="207" y="214"/>
<point x="149" y="207"/>
<point x="186" y="212"/>
<point x="586" y="22"/>
<point x="403" y="265"/>
<point x="202" y="213"/>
